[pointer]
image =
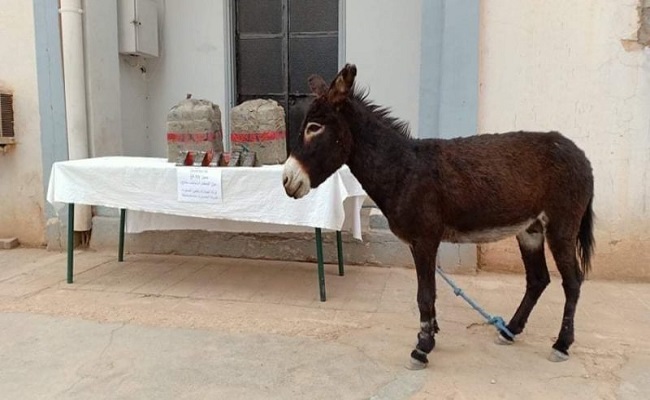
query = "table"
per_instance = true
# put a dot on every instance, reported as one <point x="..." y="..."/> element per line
<point x="253" y="199"/>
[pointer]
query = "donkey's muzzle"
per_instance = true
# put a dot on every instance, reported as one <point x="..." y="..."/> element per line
<point x="294" y="178"/>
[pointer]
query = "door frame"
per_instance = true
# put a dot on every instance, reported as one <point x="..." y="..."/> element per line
<point x="230" y="72"/>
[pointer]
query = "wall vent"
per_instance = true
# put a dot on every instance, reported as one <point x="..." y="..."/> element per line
<point x="6" y="119"/>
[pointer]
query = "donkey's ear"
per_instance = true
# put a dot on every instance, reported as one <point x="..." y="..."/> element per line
<point x="317" y="85"/>
<point x="342" y="84"/>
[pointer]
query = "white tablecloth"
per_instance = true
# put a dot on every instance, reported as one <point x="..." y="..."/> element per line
<point x="253" y="198"/>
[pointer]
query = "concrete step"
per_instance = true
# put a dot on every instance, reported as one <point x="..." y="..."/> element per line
<point x="379" y="247"/>
<point x="377" y="220"/>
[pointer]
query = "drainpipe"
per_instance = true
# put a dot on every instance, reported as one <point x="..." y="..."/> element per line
<point x="75" y="93"/>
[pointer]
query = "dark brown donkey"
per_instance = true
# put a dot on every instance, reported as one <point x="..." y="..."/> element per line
<point x="480" y="189"/>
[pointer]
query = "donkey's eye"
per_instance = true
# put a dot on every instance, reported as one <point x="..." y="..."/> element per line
<point x="313" y="129"/>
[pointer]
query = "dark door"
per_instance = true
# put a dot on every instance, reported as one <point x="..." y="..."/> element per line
<point x="279" y="43"/>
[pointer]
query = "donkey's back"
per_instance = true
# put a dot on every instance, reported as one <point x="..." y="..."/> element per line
<point x="511" y="179"/>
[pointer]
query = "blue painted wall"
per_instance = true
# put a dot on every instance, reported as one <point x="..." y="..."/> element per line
<point x="51" y="98"/>
<point x="449" y="89"/>
<point x="449" y="68"/>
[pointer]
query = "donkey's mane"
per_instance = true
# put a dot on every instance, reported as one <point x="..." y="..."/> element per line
<point x="383" y="114"/>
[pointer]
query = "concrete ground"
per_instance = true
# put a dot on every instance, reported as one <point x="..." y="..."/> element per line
<point x="172" y="327"/>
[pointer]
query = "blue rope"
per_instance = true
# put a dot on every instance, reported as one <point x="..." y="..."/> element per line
<point x="491" y="319"/>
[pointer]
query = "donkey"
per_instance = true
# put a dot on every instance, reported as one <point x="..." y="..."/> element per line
<point x="479" y="189"/>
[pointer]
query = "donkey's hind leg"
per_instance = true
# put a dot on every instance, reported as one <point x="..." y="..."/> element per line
<point x="424" y="255"/>
<point x="531" y="245"/>
<point x="563" y="248"/>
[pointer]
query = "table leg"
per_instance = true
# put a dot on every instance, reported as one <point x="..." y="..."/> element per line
<point x="321" y="267"/>
<point x="339" y="248"/>
<point x="70" y="242"/>
<point x="120" y="251"/>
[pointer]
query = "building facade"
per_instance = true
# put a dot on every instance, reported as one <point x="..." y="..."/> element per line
<point x="449" y="68"/>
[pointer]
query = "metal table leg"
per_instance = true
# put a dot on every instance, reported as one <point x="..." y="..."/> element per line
<point x="321" y="267"/>
<point x="120" y="251"/>
<point x="70" y="241"/>
<point x="339" y="247"/>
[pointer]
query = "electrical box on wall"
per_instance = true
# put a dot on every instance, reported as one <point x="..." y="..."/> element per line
<point x="138" y="28"/>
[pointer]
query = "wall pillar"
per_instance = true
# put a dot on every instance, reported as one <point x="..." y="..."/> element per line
<point x="449" y="89"/>
<point x="54" y="139"/>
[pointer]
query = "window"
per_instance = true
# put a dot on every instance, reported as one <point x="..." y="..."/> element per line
<point x="278" y="44"/>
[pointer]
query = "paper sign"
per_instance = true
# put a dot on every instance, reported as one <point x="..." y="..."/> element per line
<point x="199" y="185"/>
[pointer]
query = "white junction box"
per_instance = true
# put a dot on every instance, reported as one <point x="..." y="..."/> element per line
<point x="138" y="27"/>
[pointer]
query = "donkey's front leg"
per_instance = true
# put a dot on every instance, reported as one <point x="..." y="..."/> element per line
<point x="424" y="255"/>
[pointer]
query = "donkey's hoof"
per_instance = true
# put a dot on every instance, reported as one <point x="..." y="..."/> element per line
<point x="557" y="356"/>
<point x="502" y="340"/>
<point x="418" y="360"/>
<point x="415" y="365"/>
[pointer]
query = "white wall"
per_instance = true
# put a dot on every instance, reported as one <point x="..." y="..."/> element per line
<point x="103" y="76"/>
<point x="191" y="61"/>
<point x="383" y="40"/>
<point x="561" y="65"/>
<point x="116" y="89"/>
<point x="21" y="177"/>
<point x="192" y="53"/>
<point x="134" y="109"/>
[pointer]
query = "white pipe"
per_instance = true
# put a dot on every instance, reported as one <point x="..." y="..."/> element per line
<point x="75" y="93"/>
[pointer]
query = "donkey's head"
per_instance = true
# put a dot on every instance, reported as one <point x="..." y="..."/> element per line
<point x="325" y="140"/>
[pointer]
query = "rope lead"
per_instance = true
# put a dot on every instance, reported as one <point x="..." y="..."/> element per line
<point x="495" y="320"/>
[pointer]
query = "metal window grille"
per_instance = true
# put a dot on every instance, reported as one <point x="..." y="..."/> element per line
<point x="279" y="43"/>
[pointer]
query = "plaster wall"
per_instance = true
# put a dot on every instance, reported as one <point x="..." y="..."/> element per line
<point x="569" y="66"/>
<point x="21" y="176"/>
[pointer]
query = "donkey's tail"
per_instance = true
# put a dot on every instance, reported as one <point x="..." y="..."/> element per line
<point x="585" y="240"/>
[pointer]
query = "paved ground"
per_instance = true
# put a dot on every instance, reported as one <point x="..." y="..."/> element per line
<point x="171" y="327"/>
